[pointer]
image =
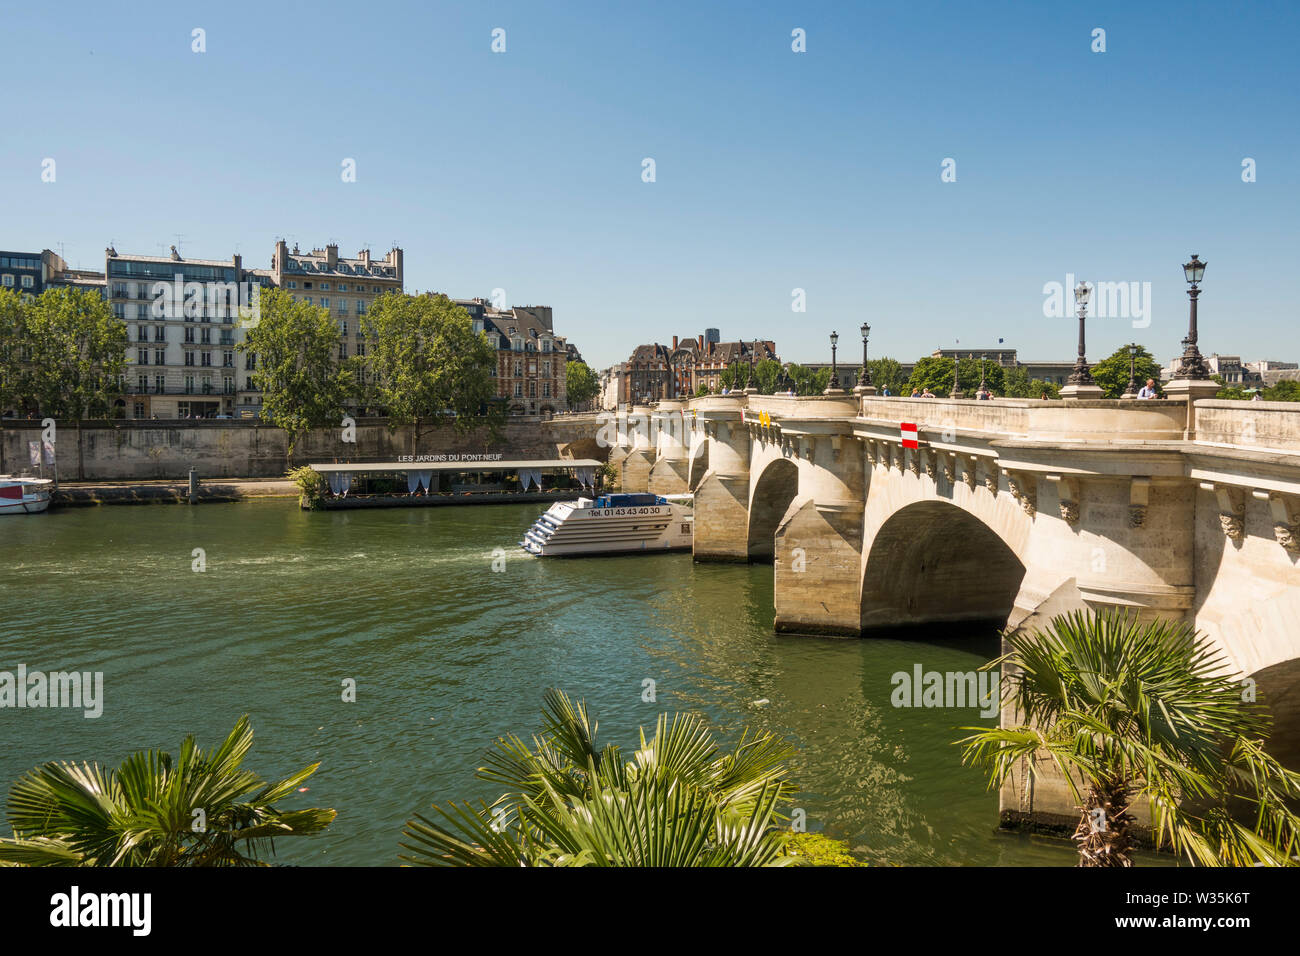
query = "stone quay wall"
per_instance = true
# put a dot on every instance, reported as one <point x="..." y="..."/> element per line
<point x="240" y="448"/>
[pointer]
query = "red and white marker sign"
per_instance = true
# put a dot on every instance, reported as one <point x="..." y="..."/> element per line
<point x="908" y="432"/>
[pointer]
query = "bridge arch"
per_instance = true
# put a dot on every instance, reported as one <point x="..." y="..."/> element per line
<point x="773" y="490"/>
<point x="933" y="561"/>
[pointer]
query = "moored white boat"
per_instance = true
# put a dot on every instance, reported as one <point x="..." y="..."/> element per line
<point x="24" y="496"/>
<point x="612" y="524"/>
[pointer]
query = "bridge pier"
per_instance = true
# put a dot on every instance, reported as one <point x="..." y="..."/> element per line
<point x="818" y="543"/>
<point x="668" y="475"/>
<point x="722" y="496"/>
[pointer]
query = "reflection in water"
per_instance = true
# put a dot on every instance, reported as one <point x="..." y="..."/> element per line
<point x="448" y="655"/>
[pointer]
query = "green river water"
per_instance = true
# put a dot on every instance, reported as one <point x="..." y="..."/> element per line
<point x="448" y="654"/>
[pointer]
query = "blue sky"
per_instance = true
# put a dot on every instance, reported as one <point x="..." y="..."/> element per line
<point x="775" y="170"/>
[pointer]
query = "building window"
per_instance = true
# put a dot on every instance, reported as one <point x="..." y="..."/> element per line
<point x="207" y="359"/>
<point x="361" y="350"/>
<point x="27" y="282"/>
<point x="206" y="336"/>
<point x="159" y="356"/>
<point x="189" y="336"/>
<point x="7" y="280"/>
<point x="343" y="350"/>
<point x="189" y="383"/>
<point x="519" y="390"/>
<point x="546" y="390"/>
<point x="141" y="356"/>
<point x="159" y="384"/>
<point x="250" y="362"/>
<point x="227" y="359"/>
<point x="137" y="410"/>
<point x="325" y="287"/>
<point x="325" y="302"/>
<point x="293" y="284"/>
<point x="142" y="334"/>
<point x="189" y="356"/>
<point x="345" y="326"/>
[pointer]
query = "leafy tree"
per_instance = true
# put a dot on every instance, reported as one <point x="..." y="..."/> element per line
<point x="1016" y="383"/>
<point x="733" y="376"/>
<point x="198" y="809"/>
<point x="1285" y="391"/>
<point x="702" y="390"/>
<point x="887" y="373"/>
<point x="936" y="375"/>
<point x="77" y="351"/>
<point x="429" y="364"/>
<point x="303" y="383"/>
<point x="1112" y="372"/>
<point x="1143" y="711"/>
<point x="766" y="372"/>
<point x="808" y="381"/>
<point x="15" y="368"/>
<point x="680" y="801"/>
<point x="580" y="383"/>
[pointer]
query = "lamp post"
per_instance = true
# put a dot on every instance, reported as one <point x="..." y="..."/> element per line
<point x="864" y="386"/>
<point x="1193" y="365"/>
<point x="1192" y="381"/>
<point x="983" y="377"/>
<point x="1080" y="384"/>
<point x="833" y="387"/>
<point x="751" y="376"/>
<point x="956" y="369"/>
<point x="1131" y="390"/>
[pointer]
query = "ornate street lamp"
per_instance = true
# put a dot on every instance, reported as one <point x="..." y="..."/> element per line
<point x="956" y="368"/>
<point x="1080" y="384"/>
<point x="1082" y="375"/>
<point x="864" y="386"/>
<point x="833" y="385"/>
<point x="1193" y="365"/>
<point x="1131" y="390"/>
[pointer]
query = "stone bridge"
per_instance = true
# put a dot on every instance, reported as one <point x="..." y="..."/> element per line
<point x="1009" y="511"/>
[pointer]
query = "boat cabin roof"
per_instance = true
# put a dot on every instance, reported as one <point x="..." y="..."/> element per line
<point x="362" y="467"/>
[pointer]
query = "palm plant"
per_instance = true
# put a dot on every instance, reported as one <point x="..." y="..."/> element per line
<point x="678" y="802"/>
<point x="200" y="809"/>
<point x="1125" y="711"/>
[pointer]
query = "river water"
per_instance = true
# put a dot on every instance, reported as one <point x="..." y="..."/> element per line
<point x="448" y="654"/>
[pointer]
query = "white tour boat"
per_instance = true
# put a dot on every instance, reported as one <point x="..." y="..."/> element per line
<point x="24" y="496"/>
<point x="612" y="524"/>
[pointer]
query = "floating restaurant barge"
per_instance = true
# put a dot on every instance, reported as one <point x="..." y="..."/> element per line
<point x="613" y="524"/>
<point x="416" y="484"/>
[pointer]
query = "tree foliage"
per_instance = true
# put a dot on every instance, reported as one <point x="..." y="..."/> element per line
<point x="304" y="384"/>
<point x="1143" y="711"/>
<point x="580" y="383"/>
<point x="201" y="808"/>
<point x="1112" y="372"/>
<point x="680" y="801"/>
<point x="62" y="353"/>
<point x="428" y="364"/>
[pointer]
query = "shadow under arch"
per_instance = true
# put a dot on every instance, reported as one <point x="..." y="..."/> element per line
<point x="775" y="489"/>
<point x="699" y="464"/>
<point x="932" y="561"/>
<point x="1278" y="687"/>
